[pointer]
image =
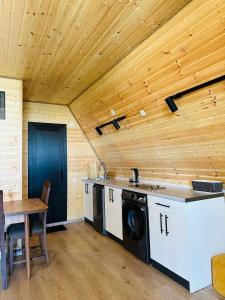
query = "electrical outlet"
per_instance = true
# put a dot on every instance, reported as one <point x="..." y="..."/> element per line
<point x="142" y="113"/>
<point x="113" y="113"/>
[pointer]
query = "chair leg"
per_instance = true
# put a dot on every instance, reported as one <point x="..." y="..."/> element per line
<point x="23" y="247"/>
<point x="41" y="244"/>
<point x="11" y="246"/>
<point x="44" y="240"/>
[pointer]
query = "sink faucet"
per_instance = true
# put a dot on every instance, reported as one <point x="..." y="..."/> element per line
<point x="104" y="167"/>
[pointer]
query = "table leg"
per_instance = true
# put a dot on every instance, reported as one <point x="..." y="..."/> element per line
<point x="27" y="244"/>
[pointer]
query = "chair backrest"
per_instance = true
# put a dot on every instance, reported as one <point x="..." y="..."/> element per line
<point x="2" y="216"/>
<point x="46" y="192"/>
<point x="2" y="219"/>
<point x="44" y="197"/>
<point x="2" y="242"/>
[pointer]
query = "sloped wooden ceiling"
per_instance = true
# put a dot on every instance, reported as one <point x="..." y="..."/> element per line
<point x="186" y="51"/>
<point x="61" y="47"/>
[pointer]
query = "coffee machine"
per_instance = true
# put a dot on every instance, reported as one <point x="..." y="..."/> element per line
<point x="134" y="175"/>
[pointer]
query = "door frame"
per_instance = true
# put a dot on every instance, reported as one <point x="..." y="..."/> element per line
<point x="31" y="156"/>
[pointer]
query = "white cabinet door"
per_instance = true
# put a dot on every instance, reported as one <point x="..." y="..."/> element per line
<point x="88" y="200"/>
<point x="113" y="211"/>
<point x="157" y="237"/>
<point x="176" y="245"/>
<point x="168" y="237"/>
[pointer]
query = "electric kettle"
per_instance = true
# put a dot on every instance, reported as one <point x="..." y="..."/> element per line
<point x="134" y="175"/>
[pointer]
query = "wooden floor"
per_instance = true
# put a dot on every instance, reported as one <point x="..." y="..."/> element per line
<point x="86" y="265"/>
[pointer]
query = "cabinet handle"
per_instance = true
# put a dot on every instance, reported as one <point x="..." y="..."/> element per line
<point x="111" y="195"/>
<point x="86" y="188"/>
<point x="166" y="218"/>
<point x="162" y="205"/>
<point x="161" y="227"/>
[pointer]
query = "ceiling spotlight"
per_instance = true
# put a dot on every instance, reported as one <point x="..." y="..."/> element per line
<point x="170" y="102"/>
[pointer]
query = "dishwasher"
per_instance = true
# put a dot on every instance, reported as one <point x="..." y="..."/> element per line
<point x="99" y="208"/>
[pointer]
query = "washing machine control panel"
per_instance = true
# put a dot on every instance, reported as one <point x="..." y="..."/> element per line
<point x="134" y="196"/>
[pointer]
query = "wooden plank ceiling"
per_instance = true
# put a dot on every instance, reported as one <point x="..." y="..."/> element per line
<point x="186" y="51"/>
<point x="61" y="47"/>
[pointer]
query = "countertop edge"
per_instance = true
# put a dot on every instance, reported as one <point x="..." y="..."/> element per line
<point x="204" y="197"/>
<point x="157" y="192"/>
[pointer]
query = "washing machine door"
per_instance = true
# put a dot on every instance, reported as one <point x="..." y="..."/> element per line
<point x="133" y="221"/>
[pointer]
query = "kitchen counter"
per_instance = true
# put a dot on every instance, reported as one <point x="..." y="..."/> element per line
<point x="181" y="194"/>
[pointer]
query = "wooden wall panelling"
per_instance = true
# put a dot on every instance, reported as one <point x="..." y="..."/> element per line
<point x="188" y="50"/>
<point x="79" y="152"/>
<point x="61" y="47"/>
<point x="11" y="141"/>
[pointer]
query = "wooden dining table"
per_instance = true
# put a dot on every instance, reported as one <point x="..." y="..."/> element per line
<point x="26" y="208"/>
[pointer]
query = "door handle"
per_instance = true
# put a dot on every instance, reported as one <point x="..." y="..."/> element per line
<point x="166" y="218"/>
<point x="61" y="174"/>
<point x="161" y="227"/>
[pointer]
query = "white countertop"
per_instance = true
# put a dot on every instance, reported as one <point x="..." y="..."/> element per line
<point x="181" y="194"/>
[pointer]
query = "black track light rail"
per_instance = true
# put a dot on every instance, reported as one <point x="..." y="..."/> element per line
<point x="114" y="122"/>
<point x="170" y="100"/>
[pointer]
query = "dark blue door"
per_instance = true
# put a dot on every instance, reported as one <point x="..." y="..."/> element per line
<point x="47" y="160"/>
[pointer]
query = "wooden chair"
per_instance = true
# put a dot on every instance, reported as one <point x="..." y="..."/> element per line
<point x="38" y="227"/>
<point x="3" y="254"/>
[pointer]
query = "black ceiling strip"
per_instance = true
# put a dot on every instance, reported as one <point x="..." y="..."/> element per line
<point x="195" y="88"/>
<point x="114" y="122"/>
<point x="170" y="100"/>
